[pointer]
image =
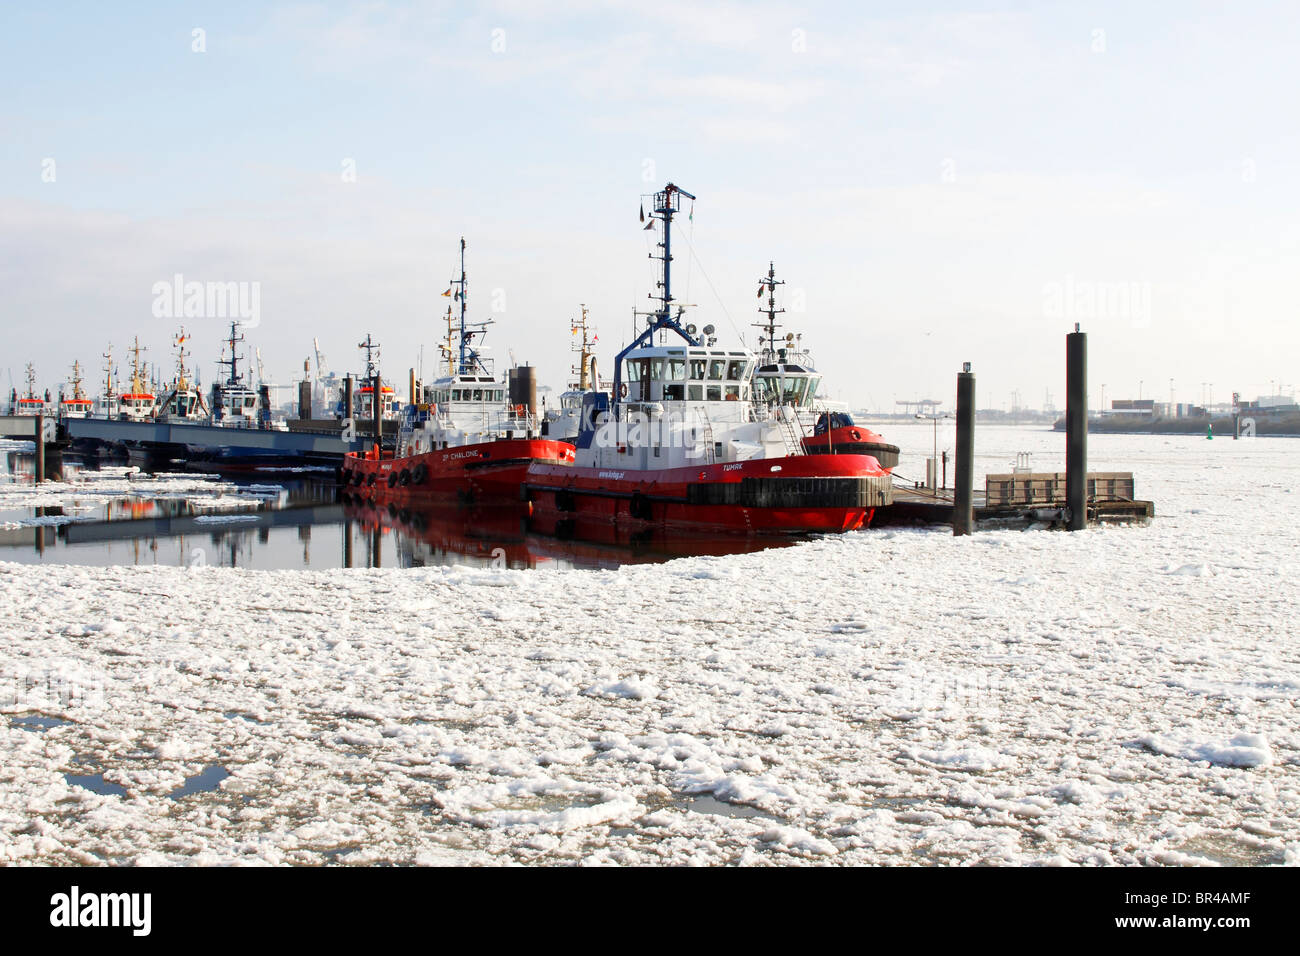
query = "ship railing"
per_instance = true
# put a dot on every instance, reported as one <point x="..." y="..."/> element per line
<point x="497" y="420"/>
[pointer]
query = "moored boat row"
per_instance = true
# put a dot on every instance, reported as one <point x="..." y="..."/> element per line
<point x="692" y="437"/>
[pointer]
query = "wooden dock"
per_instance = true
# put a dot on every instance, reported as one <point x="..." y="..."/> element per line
<point x="1023" y="498"/>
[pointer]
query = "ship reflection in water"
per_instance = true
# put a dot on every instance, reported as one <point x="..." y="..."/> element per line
<point x="497" y="537"/>
<point x="301" y="523"/>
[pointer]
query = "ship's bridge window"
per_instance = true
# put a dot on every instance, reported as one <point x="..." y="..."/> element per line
<point x="478" y="395"/>
<point x="697" y="369"/>
<point x="248" y="401"/>
<point x="716" y="369"/>
<point x="674" y="390"/>
<point x="735" y="371"/>
<point x="639" y="372"/>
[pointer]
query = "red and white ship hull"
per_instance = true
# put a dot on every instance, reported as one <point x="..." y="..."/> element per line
<point x="493" y="470"/>
<point x="791" y="495"/>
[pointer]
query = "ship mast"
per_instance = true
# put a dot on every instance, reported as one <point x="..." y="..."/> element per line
<point x="666" y="203"/>
<point x="137" y="370"/>
<point x="77" y="393"/>
<point x="583" y="349"/>
<point x="769" y="282"/>
<point x="179" y="342"/>
<point x="445" y="348"/>
<point x="468" y="359"/>
<point x="372" y="376"/>
<point x="372" y="348"/>
<point x="108" y="372"/>
<point x="233" y="361"/>
<point x="31" y="380"/>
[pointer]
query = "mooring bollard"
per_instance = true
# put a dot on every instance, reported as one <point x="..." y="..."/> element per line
<point x="39" y="438"/>
<point x="963" y="511"/>
<point x="1076" y="428"/>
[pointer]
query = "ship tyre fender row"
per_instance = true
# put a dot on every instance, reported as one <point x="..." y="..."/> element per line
<point x="370" y="478"/>
<point x="392" y="479"/>
<point x="419" y="473"/>
<point x="404" y="478"/>
<point x="564" y="500"/>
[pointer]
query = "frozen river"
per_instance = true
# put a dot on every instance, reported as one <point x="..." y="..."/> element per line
<point x="1121" y="695"/>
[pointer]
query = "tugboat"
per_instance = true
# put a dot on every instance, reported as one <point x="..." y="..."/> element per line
<point x="31" y="403"/>
<point x="78" y="406"/>
<point x="365" y="398"/>
<point x="234" y="403"/>
<point x="139" y="403"/>
<point x="466" y="438"/>
<point x="787" y="376"/>
<point x="683" y="446"/>
<point x="183" y="402"/>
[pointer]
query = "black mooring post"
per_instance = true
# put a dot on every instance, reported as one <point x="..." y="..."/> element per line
<point x="40" y="448"/>
<point x="1076" y="428"/>
<point x="963" y="510"/>
<point x="347" y="398"/>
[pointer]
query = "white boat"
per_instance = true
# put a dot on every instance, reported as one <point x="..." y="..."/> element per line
<point x="79" y="405"/>
<point x="182" y="401"/>
<point x="138" y="404"/>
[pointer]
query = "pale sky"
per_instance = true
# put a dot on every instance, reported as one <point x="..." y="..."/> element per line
<point x="936" y="183"/>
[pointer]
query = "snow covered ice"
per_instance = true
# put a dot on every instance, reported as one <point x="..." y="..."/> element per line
<point x="1120" y="695"/>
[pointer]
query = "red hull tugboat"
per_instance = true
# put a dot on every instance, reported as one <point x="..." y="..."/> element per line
<point x="786" y="376"/>
<point x="685" y="445"/>
<point x="464" y="441"/>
